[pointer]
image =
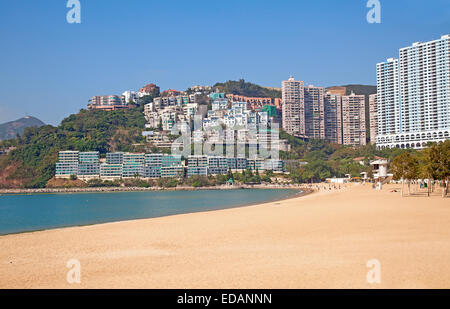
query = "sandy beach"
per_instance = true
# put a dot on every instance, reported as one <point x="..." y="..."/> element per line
<point x="322" y="240"/>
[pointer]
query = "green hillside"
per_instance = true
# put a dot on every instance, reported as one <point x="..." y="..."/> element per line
<point x="241" y="87"/>
<point x="32" y="164"/>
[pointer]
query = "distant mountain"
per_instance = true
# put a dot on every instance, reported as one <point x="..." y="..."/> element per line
<point x="9" y="130"/>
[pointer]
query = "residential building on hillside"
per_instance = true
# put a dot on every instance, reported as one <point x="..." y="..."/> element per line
<point x="130" y="97"/>
<point x="107" y="102"/>
<point x="333" y="118"/>
<point x="314" y="112"/>
<point x="150" y="89"/>
<point x="309" y="112"/>
<point x="293" y="107"/>
<point x="255" y="102"/>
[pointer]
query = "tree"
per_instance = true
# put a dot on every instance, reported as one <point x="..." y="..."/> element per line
<point x="445" y="166"/>
<point x="230" y="175"/>
<point x="405" y="167"/>
<point x="438" y="163"/>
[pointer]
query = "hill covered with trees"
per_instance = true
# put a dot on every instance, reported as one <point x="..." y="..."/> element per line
<point x="32" y="163"/>
<point x="241" y="87"/>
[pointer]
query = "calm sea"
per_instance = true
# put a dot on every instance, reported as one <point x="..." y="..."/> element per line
<point x="24" y="213"/>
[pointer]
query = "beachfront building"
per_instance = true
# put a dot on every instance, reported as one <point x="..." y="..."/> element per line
<point x="413" y="96"/>
<point x="256" y="164"/>
<point x="68" y="156"/>
<point x="217" y="165"/>
<point x="274" y="165"/>
<point x="111" y="171"/>
<point x="236" y="164"/>
<point x="118" y="165"/>
<point x="133" y="165"/>
<point x="388" y="102"/>
<point x="89" y="165"/>
<point x="66" y="169"/>
<point x="67" y="164"/>
<point x="84" y="165"/>
<point x="89" y="157"/>
<point x="88" y="170"/>
<point x="114" y="158"/>
<point x="197" y="165"/>
<point x="172" y="171"/>
<point x="152" y="171"/>
<point x="354" y="120"/>
<point x="171" y="166"/>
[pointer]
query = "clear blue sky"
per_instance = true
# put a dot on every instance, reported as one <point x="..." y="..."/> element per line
<point x="49" y="68"/>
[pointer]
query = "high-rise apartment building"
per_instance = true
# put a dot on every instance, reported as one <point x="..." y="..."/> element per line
<point x="309" y="112"/>
<point x="413" y="96"/>
<point x="354" y="120"/>
<point x="373" y="118"/>
<point x="314" y="112"/>
<point x="388" y="104"/>
<point x="293" y="107"/>
<point x="333" y="118"/>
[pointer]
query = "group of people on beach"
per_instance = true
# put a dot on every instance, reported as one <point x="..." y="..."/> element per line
<point x="325" y="187"/>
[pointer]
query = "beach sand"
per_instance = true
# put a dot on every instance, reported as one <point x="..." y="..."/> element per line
<point x="322" y="240"/>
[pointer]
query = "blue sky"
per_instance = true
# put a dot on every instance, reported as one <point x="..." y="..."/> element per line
<point x="49" y="68"/>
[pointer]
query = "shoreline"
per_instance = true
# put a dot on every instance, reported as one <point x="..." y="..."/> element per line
<point x="297" y="194"/>
<point x="149" y="189"/>
<point x="318" y="241"/>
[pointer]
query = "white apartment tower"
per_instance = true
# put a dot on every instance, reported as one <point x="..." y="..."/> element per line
<point x="388" y="105"/>
<point x="413" y="96"/>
